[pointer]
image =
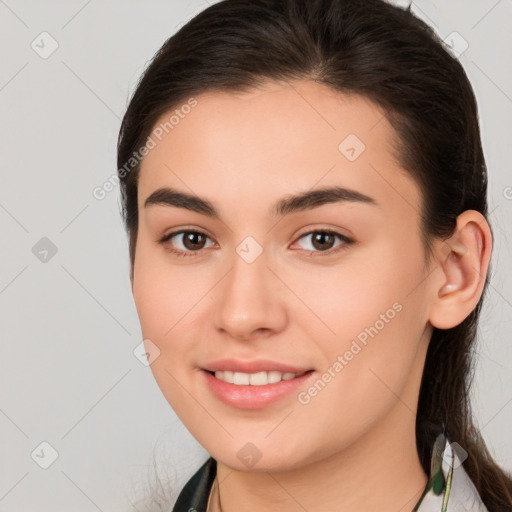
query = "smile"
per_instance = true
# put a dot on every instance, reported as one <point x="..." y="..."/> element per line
<point x="255" y="379"/>
<point x="254" y="390"/>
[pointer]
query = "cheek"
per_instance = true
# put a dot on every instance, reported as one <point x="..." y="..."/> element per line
<point x="164" y="297"/>
<point x="173" y="302"/>
<point x="163" y="293"/>
<point x="373" y="308"/>
<point x="346" y="298"/>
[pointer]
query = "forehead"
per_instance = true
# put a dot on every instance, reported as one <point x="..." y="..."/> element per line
<point x="281" y="137"/>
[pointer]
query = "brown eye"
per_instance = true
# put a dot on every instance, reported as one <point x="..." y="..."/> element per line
<point x="193" y="240"/>
<point x="185" y="243"/>
<point x="324" y="241"/>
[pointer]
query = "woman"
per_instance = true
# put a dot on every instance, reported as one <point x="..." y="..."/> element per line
<point x="304" y="189"/>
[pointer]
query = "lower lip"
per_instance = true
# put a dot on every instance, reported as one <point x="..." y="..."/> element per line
<point x="253" y="397"/>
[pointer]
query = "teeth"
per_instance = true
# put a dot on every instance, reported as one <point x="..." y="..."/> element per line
<point x="254" y="379"/>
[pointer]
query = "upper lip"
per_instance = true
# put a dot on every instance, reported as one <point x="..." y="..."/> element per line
<point x="254" y="366"/>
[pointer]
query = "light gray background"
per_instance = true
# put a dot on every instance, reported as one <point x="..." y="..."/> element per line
<point x="69" y="326"/>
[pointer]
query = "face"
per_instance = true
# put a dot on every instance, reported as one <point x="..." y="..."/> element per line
<point x="331" y="284"/>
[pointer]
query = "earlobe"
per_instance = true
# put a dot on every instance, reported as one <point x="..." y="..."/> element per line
<point x="463" y="261"/>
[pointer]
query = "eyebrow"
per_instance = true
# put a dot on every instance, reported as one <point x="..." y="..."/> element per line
<point x="308" y="200"/>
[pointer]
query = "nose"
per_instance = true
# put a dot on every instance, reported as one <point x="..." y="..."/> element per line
<point x="250" y="300"/>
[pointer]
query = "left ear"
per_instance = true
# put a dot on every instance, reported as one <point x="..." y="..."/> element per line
<point x="463" y="261"/>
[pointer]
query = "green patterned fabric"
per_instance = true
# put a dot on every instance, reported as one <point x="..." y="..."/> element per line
<point x="449" y="488"/>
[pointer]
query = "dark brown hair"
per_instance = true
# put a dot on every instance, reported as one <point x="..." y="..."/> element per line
<point x="390" y="56"/>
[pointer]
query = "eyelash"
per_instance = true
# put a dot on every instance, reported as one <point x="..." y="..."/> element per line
<point x="178" y="252"/>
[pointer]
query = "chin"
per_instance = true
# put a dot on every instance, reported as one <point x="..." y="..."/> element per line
<point x="256" y="458"/>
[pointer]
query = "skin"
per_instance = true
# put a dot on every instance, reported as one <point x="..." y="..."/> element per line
<point x="355" y="441"/>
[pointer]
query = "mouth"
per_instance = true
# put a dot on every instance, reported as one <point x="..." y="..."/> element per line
<point x="262" y="378"/>
<point x="254" y="390"/>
